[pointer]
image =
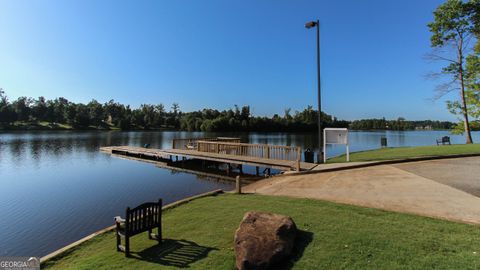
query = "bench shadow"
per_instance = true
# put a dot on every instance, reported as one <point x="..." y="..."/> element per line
<point x="178" y="253"/>
<point x="302" y="240"/>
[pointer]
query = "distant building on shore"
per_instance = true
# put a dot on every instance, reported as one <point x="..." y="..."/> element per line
<point x="428" y="127"/>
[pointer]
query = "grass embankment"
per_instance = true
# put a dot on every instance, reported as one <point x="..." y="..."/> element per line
<point x="42" y="125"/>
<point x="410" y="152"/>
<point x="36" y="125"/>
<point x="333" y="236"/>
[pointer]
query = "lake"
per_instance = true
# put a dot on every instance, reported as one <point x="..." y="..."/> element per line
<point x="57" y="187"/>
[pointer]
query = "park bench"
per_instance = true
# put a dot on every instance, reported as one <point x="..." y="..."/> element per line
<point x="143" y="218"/>
<point x="444" y="140"/>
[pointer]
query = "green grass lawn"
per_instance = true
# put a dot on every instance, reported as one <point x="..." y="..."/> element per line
<point x="199" y="235"/>
<point x="44" y="125"/>
<point x="36" y="125"/>
<point x="410" y="152"/>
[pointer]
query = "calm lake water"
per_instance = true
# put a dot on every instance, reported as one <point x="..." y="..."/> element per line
<point x="56" y="187"/>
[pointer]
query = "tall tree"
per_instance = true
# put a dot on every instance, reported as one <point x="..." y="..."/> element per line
<point x="96" y="112"/>
<point x="160" y="115"/>
<point x="175" y="108"/>
<point x="475" y="9"/>
<point x="22" y="108"/>
<point x="40" y="108"/>
<point x="452" y="30"/>
<point x="6" y="113"/>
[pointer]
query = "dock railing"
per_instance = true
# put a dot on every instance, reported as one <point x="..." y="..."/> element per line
<point x="276" y="152"/>
<point x="191" y="143"/>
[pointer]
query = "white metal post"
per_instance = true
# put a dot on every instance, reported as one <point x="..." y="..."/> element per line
<point x="348" y="154"/>
<point x="348" y="149"/>
<point x="324" y="146"/>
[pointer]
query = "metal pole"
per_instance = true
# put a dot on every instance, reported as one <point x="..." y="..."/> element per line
<point x="320" y="157"/>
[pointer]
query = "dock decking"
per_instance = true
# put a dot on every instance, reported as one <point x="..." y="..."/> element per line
<point x="149" y="153"/>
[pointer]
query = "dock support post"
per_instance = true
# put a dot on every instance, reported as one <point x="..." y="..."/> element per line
<point x="229" y="168"/>
<point x="299" y="156"/>
<point x="238" y="185"/>
<point x="176" y="158"/>
<point x="257" y="170"/>
<point x="240" y="168"/>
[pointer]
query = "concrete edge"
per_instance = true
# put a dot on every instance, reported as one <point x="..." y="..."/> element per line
<point x="110" y="228"/>
<point x="381" y="162"/>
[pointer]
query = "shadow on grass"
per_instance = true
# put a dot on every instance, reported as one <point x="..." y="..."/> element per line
<point x="178" y="253"/>
<point x="302" y="240"/>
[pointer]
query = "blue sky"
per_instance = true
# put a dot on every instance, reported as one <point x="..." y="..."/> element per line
<point x="217" y="53"/>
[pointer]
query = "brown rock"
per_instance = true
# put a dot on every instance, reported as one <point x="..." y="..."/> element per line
<point x="263" y="240"/>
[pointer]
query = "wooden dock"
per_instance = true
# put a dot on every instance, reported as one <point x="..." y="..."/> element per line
<point x="183" y="167"/>
<point x="284" y="158"/>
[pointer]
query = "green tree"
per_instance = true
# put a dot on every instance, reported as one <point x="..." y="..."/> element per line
<point x="148" y="112"/>
<point x="114" y="112"/>
<point x="22" y="107"/>
<point x="472" y="93"/>
<point x="71" y="113"/>
<point x="174" y="119"/>
<point x="95" y="112"/>
<point x="58" y="112"/>
<point x="82" y="116"/>
<point x="7" y="115"/>
<point x="39" y="109"/>
<point x="452" y="29"/>
<point x="159" y="115"/>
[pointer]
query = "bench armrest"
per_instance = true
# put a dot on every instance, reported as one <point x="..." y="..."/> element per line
<point x="118" y="219"/>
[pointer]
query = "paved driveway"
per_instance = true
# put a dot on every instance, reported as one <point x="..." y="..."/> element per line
<point x="460" y="173"/>
<point x="441" y="189"/>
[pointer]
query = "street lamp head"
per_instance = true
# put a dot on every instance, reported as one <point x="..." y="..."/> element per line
<point x="311" y="24"/>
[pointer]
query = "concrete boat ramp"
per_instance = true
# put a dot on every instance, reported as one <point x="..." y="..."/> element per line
<point x="445" y="188"/>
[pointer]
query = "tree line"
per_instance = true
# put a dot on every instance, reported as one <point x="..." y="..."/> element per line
<point x="113" y="115"/>
<point x="399" y="124"/>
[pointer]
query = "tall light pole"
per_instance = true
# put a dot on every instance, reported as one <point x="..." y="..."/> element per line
<point x="320" y="133"/>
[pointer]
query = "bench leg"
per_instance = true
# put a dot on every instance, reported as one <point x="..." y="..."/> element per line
<point x="117" y="229"/>
<point x="127" y="246"/>
<point x="159" y="234"/>
<point x="119" y="242"/>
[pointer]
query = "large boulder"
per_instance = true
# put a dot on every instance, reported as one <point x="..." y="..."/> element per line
<point x="263" y="240"/>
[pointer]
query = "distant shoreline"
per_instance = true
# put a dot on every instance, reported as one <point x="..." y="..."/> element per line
<point x="43" y="126"/>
